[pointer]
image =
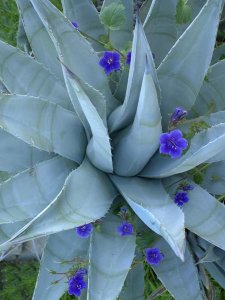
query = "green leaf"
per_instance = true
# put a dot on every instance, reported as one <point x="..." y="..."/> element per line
<point x="41" y="43"/>
<point x="123" y="115"/>
<point x="154" y="207"/>
<point x="160" y="28"/>
<point x="203" y="146"/>
<point x="113" y="15"/>
<point x="74" y="50"/>
<point x="86" y="16"/>
<point x="135" y="145"/>
<point x="60" y="247"/>
<point x="99" y="148"/>
<point x="179" y="278"/>
<point x="33" y="79"/>
<point x="16" y="156"/>
<point x="134" y="285"/>
<point x="74" y="206"/>
<point x="110" y="257"/>
<point x="177" y="73"/>
<point x="44" y="125"/>
<point x="183" y="12"/>
<point x="43" y="182"/>
<point x="121" y="38"/>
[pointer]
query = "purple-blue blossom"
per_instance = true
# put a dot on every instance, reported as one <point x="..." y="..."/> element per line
<point x="128" y="58"/>
<point x="153" y="256"/>
<point x="172" y="143"/>
<point x="125" y="229"/>
<point x="187" y="187"/>
<point x="84" y="231"/>
<point x="75" y="24"/>
<point x="178" y="115"/>
<point x="110" y="61"/>
<point x="180" y="198"/>
<point x="77" y="283"/>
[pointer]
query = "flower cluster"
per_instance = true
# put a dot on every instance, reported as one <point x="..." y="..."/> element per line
<point x="172" y="143"/>
<point x="181" y="195"/>
<point x="153" y="256"/>
<point x="77" y="283"/>
<point x="84" y="231"/>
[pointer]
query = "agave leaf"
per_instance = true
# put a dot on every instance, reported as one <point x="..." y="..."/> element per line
<point x="214" y="268"/>
<point x="7" y="230"/>
<point x="74" y="206"/>
<point x="3" y="89"/>
<point x="214" y="178"/>
<point x="16" y="156"/>
<point x="123" y="115"/>
<point x="203" y="146"/>
<point x="22" y="41"/>
<point x="136" y="144"/>
<point x="160" y="28"/>
<point x="180" y="278"/>
<point x="121" y="38"/>
<point x="41" y="44"/>
<point x="33" y="79"/>
<point x="134" y="285"/>
<point x="110" y="257"/>
<point x="99" y="148"/>
<point x="145" y="10"/>
<point x="211" y="96"/>
<point x="73" y="49"/>
<point x="154" y="207"/>
<point x="204" y="214"/>
<point x="177" y="73"/>
<point x="86" y="16"/>
<point x="60" y="251"/>
<point x="218" y="54"/>
<point x="43" y="182"/>
<point x="44" y="125"/>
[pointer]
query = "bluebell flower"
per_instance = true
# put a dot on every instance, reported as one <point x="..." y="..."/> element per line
<point x="178" y="115"/>
<point x="172" y="143"/>
<point x="75" y="24"/>
<point x="180" y="198"/>
<point x="153" y="256"/>
<point x="128" y="58"/>
<point x="77" y="283"/>
<point x="84" y="231"/>
<point x="125" y="229"/>
<point x="110" y="61"/>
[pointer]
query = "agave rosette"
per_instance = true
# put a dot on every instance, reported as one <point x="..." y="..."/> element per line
<point x="75" y="143"/>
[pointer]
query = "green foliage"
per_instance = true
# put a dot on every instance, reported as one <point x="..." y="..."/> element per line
<point x="113" y="16"/>
<point x="9" y="17"/>
<point x="183" y="12"/>
<point x="17" y="280"/>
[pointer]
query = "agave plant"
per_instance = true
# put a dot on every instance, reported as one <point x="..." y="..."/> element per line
<point x="99" y="134"/>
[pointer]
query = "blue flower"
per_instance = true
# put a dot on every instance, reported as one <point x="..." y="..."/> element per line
<point x="180" y="198"/>
<point x="187" y="187"/>
<point x="110" y="61"/>
<point x="178" y="115"/>
<point x="128" y="59"/>
<point x="75" y="24"/>
<point x="172" y="143"/>
<point x="77" y="283"/>
<point x="84" y="231"/>
<point x="153" y="55"/>
<point x="125" y="229"/>
<point x="153" y="256"/>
